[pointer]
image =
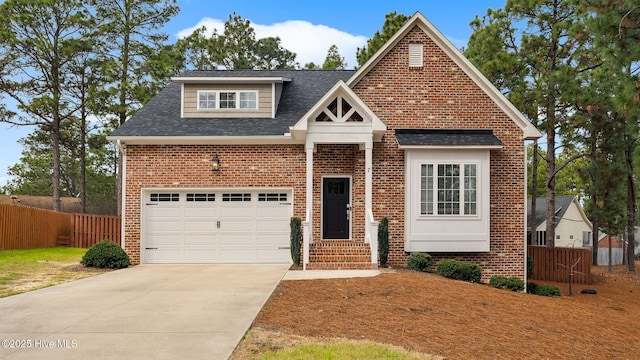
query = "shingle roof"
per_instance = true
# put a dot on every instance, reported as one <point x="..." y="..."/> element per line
<point x="161" y="116"/>
<point x="446" y="137"/>
<point x="562" y="204"/>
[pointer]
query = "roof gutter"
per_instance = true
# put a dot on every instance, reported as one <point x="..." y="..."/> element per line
<point x="204" y="140"/>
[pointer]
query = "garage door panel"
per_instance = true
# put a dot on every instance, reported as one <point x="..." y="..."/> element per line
<point x="272" y="225"/>
<point x="237" y="239"/>
<point x="201" y="255"/>
<point x="200" y="239"/>
<point x="165" y="239"/>
<point x="167" y="255"/>
<point x="237" y="255"/>
<point x="239" y="210"/>
<point x="278" y="211"/>
<point x="207" y="225"/>
<point x="237" y="224"/>
<point x="204" y="211"/>
<point x="273" y="239"/>
<point x="165" y="226"/>
<point x="158" y="211"/>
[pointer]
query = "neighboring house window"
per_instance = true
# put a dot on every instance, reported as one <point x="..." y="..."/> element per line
<point x="451" y="190"/>
<point x="586" y="238"/>
<point x="212" y="100"/>
<point x="541" y="238"/>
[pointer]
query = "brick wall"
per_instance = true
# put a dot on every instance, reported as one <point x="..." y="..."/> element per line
<point x="183" y="166"/>
<point x="441" y="95"/>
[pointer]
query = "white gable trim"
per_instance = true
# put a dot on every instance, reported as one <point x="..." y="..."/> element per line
<point x="377" y="127"/>
<point x="529" y="131"/>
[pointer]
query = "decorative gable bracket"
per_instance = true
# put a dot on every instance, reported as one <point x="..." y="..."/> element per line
<point x="342" y="113"/>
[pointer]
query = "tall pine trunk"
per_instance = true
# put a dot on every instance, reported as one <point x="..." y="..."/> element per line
<point x="631" y="205"/>
<point x="551" y="181"/>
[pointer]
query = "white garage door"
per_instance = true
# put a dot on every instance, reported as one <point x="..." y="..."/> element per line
<point x="216" y="226"/>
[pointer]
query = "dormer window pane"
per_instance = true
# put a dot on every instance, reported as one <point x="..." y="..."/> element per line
<point x="248" y="100"/>
<point x="206" y="100"/>
<point x="227" y="100"/>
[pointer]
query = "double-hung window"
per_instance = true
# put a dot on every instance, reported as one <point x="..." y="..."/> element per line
<point x="448" y="189"/>
<point x="223" y="100"/>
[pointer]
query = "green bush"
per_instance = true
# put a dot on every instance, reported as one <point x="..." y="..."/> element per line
<point x="296" y="239"/>
<point x="419" y="261"/>
<point x="510" y="283"/>
<point x="458" y="270"/>
<point x="543" y="290"/>
<point x="548" y="290"/>
<point x="638" y="256"/>
<point x="106" y="254"/>
<point x="530" y="266"/>
<point x="383" y="241"/>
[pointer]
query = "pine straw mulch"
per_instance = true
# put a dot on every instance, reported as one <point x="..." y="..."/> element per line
<point x="428" y="314"/>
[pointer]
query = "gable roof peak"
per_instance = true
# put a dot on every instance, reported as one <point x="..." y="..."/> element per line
<point x="529" y="131"/>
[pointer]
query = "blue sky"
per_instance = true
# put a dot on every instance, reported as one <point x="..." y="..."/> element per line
<point x="306" y="28"/>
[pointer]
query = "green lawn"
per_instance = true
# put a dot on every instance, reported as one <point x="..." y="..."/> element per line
<point x="340" y="350"/>
<point x="26" y="270"/>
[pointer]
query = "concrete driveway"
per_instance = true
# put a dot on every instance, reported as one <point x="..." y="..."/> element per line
<point x="144" y="312"/>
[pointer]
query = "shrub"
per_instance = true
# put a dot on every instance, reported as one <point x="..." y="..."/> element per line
<point x="530" y="266"/>
<point x="383" y="241"/>
<point x="543" y="290"/>
<point x="510" y="283"/>
<point x="106" y="254"/>
<point x="296" y="239"/>
<point x="458" y="270"/>
<point x="548" y="290"/>
<point x="419" y="261"/>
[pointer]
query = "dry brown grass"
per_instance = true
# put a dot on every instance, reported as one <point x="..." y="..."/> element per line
<point x="428" y="314"/>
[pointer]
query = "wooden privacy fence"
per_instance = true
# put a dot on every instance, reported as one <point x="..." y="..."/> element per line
<point x="554" y="264"/>
<point x="89" y="229"/>
<point x="23" y="227"/>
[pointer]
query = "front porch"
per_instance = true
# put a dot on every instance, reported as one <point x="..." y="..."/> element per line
<point x="339" y="230"/>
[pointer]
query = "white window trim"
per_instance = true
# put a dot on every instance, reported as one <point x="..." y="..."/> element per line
<point x="461" y="201"/>
<point x="237" y="100"/>
<point x="447" y="233"/>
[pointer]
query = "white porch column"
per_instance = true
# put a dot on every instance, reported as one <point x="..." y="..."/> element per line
<point x="309" y="151"/>
<point x="368" y="175"/>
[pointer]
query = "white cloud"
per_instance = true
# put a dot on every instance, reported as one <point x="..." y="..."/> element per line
<point x="309" y="41"/>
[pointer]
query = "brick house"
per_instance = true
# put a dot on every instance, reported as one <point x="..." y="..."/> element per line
<point x="218" y="162"/>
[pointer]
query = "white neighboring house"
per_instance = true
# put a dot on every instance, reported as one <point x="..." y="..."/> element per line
<point x="573" y="228"/>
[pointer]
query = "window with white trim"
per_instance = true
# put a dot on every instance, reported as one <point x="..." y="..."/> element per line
<point x="448" y="189"/>
<point x="223" y="100"/>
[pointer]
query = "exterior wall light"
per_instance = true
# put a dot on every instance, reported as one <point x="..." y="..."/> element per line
<point x="216" y="163"/>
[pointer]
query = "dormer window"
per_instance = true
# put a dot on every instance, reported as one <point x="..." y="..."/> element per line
<point x="216" y="100"/>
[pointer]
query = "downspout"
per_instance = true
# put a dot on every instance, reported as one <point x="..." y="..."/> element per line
<point x="526" y="218"/>
<point x="123" y="152"/>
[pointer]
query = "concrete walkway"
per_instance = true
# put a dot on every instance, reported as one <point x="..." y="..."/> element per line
<point x="143" y="312"/>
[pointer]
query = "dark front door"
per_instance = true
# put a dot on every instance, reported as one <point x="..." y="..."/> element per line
<point x="336" y="209"/>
